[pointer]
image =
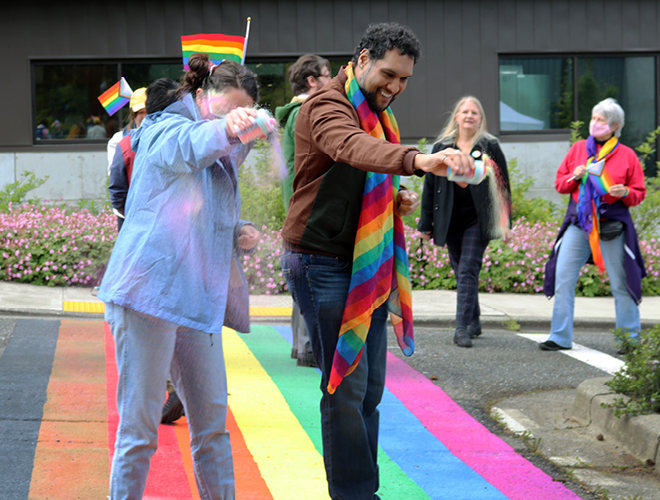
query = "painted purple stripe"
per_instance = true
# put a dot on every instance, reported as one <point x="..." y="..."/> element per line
<point x="468" y="440"/>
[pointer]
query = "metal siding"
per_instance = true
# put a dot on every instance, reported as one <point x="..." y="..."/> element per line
<point x="456" y="59"/>
<point x="648" y="25"/>
<point x="434" y="101"/>
<point x="578" y="25"/>
<point x="489" y="67"/>
<point x="506" y="27"/>
<point x="417" y="93"/>
<point x="305" y="30"/>
<point x="630" y="24"/>
<point x="559" y="25"/>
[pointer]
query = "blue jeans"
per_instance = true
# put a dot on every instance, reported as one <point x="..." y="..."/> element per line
<point x="574" y="252"/>
<point x="349" y="417"/>
<point x="148" y="350"/>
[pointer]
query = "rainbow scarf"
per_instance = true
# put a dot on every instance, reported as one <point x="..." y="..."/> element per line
<point x="380" y="260"/>
<point x="595" y="184"/>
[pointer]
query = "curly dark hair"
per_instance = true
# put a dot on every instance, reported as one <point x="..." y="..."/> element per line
<point x="379" y="38"/>
<point x="227" y="75"/>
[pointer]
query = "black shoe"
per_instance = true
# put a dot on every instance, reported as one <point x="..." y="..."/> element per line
<point x="462" y="337"/>
<point x="549" y="345"/>
<point x="474" y="330"/>
<point x="307" y="360"/>
<point x="172" y="410"/>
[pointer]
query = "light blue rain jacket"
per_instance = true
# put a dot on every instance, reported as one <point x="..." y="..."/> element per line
<point x="176" y="255"/>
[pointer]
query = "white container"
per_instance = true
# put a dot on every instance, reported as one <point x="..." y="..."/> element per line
<point x="262" y="127"/>
<point x="475" y="177"/>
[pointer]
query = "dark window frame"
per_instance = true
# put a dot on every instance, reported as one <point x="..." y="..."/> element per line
<point x="76" y="144"/>
<point x="546" y="133"/>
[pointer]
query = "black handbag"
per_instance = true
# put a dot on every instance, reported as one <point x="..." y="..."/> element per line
<point x="610" y="229"/>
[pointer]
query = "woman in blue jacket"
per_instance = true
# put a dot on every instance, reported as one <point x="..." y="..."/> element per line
<point x="174" y="279"/>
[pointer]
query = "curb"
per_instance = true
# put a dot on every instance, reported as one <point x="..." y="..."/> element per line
<point x="641" y="434"/>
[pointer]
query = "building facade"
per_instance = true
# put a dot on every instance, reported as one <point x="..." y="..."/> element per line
<point x="536" y="65"/>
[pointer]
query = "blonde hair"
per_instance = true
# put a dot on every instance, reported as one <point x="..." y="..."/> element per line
<point x="451" y="128"/>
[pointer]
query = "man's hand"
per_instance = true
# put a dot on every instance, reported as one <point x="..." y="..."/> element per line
<point x="248" y="237"/>
<point x="239" y="118"/>
<point x="437" y="163"/>
<point x="426" y="235"/>
<point x="408" y="201"/>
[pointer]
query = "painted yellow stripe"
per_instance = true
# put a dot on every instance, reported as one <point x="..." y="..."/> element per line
<point x="99" y="307"/>
<point x="272" y="433"/>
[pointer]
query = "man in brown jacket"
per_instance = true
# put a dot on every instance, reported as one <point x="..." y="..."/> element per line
<point x="332" y="157"/>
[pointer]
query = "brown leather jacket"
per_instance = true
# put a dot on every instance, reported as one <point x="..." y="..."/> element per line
<point x="332" y="156"/>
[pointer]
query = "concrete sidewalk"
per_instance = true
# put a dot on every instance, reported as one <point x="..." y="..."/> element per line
<point x="430" y="307"/>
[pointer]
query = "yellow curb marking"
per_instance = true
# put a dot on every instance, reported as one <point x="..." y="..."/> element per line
<point x="99" y="307"/>
<point x="93" y="307"/>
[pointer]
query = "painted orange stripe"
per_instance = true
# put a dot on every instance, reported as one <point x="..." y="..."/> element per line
<point x="71" y="458"/>
<point x="250" y="485"/>
<point x="167" y="477"/>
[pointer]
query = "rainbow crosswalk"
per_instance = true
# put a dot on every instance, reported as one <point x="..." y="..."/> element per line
<point x="430" y="448"/>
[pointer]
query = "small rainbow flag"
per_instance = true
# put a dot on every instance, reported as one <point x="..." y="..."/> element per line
<point x="116" y="96"/>
<point x="600" y="177"/>
<point x="218" y="47"/>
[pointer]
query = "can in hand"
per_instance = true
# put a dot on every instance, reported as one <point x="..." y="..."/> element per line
<point x="263" y="125"/>
<point x="475" y="177"/>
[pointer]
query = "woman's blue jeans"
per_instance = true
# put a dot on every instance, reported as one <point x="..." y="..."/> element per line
<point x="349" y="417"/>
<point x="146" y="349"/>
<point x="574" y="252"/>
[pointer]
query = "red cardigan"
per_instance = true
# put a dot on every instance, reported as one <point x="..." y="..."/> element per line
<point x="623" y="166"/>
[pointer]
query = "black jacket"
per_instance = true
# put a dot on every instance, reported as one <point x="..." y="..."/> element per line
<point x="438" y="196"/>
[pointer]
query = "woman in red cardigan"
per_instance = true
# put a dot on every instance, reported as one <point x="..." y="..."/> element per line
<point x="604" y="179"/>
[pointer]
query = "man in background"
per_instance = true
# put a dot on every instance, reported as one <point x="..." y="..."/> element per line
<point x="307" y="76"/>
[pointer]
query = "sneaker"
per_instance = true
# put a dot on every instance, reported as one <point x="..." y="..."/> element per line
<point x="462" y="337"/>
<point x="474" y="330"/>
<point x="549" y="345"/>
<point x="172" y="410"/>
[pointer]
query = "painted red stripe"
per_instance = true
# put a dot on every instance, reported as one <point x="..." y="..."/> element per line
<point x="167" y="477"/>
<point x="468" y="440"/>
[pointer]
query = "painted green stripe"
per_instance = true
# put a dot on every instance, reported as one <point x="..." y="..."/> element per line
<point x="301" y="389"/>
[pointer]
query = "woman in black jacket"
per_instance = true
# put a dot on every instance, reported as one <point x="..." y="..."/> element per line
<point x="464" y="216"/>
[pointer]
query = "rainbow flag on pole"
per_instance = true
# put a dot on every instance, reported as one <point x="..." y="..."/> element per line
<point x="116" y="96"/>
<point x="218" y="47"/>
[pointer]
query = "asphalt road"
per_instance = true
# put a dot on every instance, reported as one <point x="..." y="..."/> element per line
<point x="500" y="366"/>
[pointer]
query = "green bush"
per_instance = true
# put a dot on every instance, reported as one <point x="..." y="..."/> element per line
<point x="261" y="195"/>
<point x="639" y="379"/>
<point x="16" y="192"/>
<point x="522" y="207"/>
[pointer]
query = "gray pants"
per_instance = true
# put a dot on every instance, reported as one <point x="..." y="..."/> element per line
<point x="301" y="348"/>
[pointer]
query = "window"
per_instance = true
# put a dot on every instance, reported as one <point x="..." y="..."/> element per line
<point x="66" y="97"/>
<point x="274" y="88"/>
<point x="538" y="93"/>
<point x="66" y="94"/>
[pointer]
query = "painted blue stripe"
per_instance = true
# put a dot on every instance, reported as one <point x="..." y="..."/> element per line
<point x="425" y="459"/>
<point x="421" y="456"/>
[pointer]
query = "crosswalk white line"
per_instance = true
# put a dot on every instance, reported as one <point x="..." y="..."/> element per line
<point x="592" y="357"/>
